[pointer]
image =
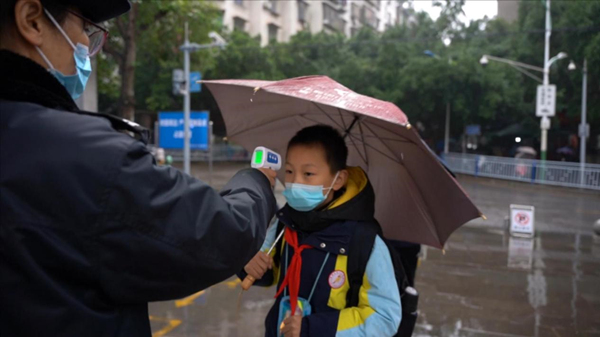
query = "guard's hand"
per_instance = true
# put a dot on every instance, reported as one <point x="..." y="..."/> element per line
<point x="270" y="174"/>
<point x="259" y="264"/>
<point x="291" y="326"/>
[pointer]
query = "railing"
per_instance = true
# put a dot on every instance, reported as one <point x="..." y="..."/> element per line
<point x="220" y="152"/>
<point x="526" y="170"/>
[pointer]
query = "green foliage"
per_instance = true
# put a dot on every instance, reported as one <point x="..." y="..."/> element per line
<point x="390" y="65"/>
<point x="159" y="28"/>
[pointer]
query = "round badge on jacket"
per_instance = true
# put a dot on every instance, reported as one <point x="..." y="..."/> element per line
<point x="337" y="278"/>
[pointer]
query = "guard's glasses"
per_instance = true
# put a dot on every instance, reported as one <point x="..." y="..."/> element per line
<point x="96" y="33"/>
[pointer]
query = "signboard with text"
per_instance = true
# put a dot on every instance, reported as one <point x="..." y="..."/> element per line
<point x="195" y="78"/>
<point x="545" y="101"/>
<point x="170" y="130"/>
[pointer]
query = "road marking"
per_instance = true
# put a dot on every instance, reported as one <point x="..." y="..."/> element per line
<point x="171" y="324"/>
<point x="188" y="300"/>
<point x="233" y="284"/>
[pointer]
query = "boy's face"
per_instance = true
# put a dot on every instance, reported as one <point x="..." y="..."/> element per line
<point x="308" y="165"/>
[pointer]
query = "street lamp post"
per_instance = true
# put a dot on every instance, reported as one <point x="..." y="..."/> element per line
<point x="187" y="48"/>
<point x="186" y="103"/>
<point x="583" y="127"/>
<point x="545" y="121"/>
<point x="524" y="68"/>
<point x="447" y="124"/>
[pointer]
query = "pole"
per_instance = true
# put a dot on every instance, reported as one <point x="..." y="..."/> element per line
<point x="583" y="128"/>
<point x="156" y="135"/>
<point x="447" y="131"/>
<point x="186" y="104"/>
<point x="545" y="122"/>
<point x="210" y="152"/>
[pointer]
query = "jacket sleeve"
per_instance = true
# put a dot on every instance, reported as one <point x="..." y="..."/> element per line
<point x="379" y="310"/>
<point x="166" y="235"/>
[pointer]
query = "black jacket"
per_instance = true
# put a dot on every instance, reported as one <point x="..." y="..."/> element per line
<point x="91" y="229"/>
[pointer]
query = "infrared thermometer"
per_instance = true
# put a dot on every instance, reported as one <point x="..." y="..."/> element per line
<point x="265" y="158"/>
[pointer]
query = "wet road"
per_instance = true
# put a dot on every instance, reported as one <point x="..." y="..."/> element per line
<point x="485" y="283"/>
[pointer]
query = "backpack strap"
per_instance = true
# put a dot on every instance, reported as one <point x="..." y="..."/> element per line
<point x="361" y="246"/>
<point x="359" y="251"/>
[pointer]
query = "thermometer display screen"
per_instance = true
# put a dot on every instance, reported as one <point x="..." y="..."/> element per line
<point x="259" y="157"/>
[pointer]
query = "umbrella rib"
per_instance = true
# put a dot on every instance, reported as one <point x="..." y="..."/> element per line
<point x="380" y="152"/>
<point x="327" y="115"/>
<point x="382" y="142"/>
<point x="342" y="117"/>
<point x="356" y="147"/>
<point x="388" y="130"/>
<point x="362" y="135"/>
<point x="390" y="139"/>
<point x="358" y="151"/>
<point x="347" y="131"/>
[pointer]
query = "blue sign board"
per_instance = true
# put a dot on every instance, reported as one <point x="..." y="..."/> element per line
<point x="194" y="78"/>
<point x="170" y="130"/>
<point x="473" y="130"/>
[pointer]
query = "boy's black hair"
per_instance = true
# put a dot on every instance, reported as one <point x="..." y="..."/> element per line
<point x="336" y="152"/>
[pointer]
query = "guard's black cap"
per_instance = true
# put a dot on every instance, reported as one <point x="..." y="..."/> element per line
<point x="98" y="10"/>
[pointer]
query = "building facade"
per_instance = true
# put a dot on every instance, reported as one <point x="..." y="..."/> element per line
<point x="508" y="9"/>
<point x="279" y="20"/>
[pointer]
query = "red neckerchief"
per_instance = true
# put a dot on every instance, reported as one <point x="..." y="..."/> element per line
<point x="292" y="277"/>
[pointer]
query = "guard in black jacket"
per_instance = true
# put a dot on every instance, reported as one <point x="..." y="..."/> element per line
<point x="91" y="229"/>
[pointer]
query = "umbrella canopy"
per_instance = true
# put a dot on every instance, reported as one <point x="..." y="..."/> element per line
<point x="417" y="200"/>
<point x="527" y="150"/>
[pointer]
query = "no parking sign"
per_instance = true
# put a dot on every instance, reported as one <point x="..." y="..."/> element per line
<point x="522" y="220"/>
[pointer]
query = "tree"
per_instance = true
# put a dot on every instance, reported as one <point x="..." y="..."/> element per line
<point x="148" y="38"/>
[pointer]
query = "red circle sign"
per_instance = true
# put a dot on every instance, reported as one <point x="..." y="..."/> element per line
<point x="522" y="219"/>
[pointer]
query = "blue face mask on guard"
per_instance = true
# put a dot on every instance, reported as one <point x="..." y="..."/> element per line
<point x="75" y="84"/>
<point x="305" y="198"/>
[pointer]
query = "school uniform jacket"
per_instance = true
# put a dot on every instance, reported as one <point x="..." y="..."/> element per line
<point x="379" y="310"/>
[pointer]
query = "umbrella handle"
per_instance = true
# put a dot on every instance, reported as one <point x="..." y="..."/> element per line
<point x="248" y="282"/>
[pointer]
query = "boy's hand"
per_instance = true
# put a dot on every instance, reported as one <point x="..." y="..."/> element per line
<point x="259" y="264"/>
<point x="291" y="326"/>
<point x="270" y="174"/>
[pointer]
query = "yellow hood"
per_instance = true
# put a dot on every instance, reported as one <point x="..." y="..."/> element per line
<point x="357" y="181"/>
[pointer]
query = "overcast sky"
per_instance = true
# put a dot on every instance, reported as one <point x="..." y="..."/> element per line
<point x="474" y="9"/>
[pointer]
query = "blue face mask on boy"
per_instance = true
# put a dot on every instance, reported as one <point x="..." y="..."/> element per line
<point x="305" y="198"/>
<point x="75" y="84"/>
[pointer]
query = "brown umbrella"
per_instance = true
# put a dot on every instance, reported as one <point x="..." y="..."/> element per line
<point x="417" y="200"/>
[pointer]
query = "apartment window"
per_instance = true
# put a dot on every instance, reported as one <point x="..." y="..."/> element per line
<point x="271" y="6"/>
<point x="302" y="10"/>
<point x="332" y="19"/>
<point x="273" y="32"/>
<point x="368" y="17"/>
<point x="355" y="12"/>
<point x="239" y="24"/>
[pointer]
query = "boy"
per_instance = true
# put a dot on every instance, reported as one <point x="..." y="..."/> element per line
<point x="325" y="202"/>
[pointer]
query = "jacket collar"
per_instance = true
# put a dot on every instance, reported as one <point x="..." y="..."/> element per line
<point x="24" y="80"/>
